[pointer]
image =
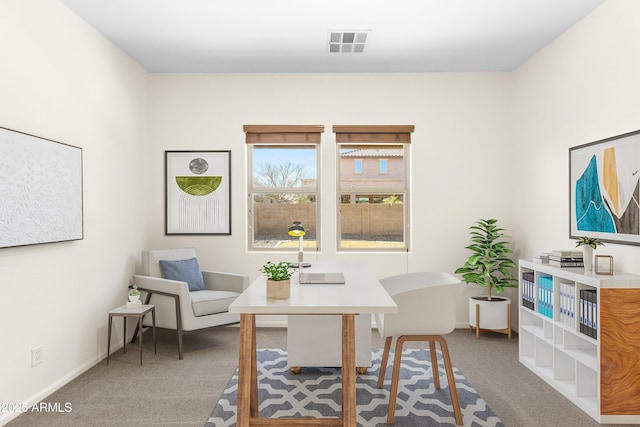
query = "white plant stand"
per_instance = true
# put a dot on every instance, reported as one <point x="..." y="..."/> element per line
<point x="490" y="315"/>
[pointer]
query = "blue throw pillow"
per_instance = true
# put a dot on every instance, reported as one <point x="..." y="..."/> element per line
<point x="184" y="270"/>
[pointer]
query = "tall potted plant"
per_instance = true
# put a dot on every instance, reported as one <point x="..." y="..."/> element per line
<point x="278" y="279"/>
<point x="489" y="266"/>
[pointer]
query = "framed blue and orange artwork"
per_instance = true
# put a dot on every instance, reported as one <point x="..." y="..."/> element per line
<point x="604" y="189"/>
<point x="198" y="192"/>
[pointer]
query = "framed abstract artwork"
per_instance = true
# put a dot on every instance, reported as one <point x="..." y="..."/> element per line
<point x="604" y="189"/>
<point x="40" y="190"/>
<point x="198" y="192"/>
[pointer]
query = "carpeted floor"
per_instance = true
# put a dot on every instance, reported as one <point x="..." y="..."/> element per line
<point x="166" y="391"/>
<point x="316" y="392"/>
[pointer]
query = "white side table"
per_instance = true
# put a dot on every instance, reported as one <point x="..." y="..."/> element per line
<point x="138" y="312"/>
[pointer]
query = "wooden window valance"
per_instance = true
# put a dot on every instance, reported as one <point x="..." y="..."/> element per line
<point x="283" y="134"/>
<point x="373" y="133"/>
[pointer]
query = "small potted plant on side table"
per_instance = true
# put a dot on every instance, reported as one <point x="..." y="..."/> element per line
<point x="278" y="279"/>
<point x="134" y="295"/>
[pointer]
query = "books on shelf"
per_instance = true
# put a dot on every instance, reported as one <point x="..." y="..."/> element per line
<point x="589" y="313"/>
<point x="542" y="258"/>
<point x="566" y="264"/>
<point x="565" y="259"/>
<point x="567" y="253"/>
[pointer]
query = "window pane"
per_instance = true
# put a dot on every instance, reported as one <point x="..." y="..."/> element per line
<point x="383" y="165"/>
<point x="358" y="166"/>
<point x="372" y="203"/>
<point x="284" y="167"/>
<point x="371" y="174"/>
<point x="284" y="180"/>
<point x="274" y="213"/>
<point x="372" y="221"/>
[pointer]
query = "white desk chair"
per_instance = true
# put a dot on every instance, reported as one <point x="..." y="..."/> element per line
<point x="426" y="311"/>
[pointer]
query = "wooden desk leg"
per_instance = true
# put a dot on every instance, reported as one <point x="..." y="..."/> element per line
<point x="348" y="370"/>
<point x="254" y="371"/>
<point x="247" y="379"/>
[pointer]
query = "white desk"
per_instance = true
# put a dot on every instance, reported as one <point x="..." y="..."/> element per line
<point x="362" y="293"/>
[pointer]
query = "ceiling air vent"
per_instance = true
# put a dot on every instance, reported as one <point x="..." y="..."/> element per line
<point x="348" y="41"/>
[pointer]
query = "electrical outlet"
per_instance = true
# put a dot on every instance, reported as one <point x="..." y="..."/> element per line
<point x="37" y="355"/>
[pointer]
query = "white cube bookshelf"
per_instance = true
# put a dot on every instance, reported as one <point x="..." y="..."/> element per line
<point x="601" y="373"/>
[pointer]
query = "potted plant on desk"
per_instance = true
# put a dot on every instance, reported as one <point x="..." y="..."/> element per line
<point x="488" y="266"/>
<point x="278" y="279"/>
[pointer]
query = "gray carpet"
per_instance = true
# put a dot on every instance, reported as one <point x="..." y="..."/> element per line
<point x="316" y="392"/>
<point x="165" y="391"/>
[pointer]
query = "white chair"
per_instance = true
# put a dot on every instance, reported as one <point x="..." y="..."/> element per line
<point x="426" y="311"/>
<point x="183" y="310"/>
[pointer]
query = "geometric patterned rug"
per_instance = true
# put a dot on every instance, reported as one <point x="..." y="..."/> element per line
<point x="316" y="392"/>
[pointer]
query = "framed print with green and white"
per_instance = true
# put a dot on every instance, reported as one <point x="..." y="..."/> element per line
<point x="198" y="192"/>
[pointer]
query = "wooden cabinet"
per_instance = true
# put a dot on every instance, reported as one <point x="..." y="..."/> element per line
<point x="587" y="348"/>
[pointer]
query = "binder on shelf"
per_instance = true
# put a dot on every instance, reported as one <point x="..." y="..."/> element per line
<point x="564" y="306"/>
<point x="528" y="295"/>
<point x="545" y="296"/>
<point x="583" y="325"/>
<point x="593" y="312"/>
<point x="589" y="312"/>
<point x="570" y="299"/>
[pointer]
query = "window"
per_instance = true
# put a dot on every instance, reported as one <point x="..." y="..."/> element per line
<point x="374" y="204"/>
<point x="283" y="185"/>
<point x="383" y="166"/>
<point x="358" y="166"/>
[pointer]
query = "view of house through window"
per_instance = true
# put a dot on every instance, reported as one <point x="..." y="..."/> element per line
<point x="283" y="174"/>
<point x="374" y="189"/>
<point x="372" y="211"/>
<point x="372" y="185"/>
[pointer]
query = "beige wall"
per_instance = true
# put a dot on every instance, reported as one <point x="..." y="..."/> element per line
<point x="208" y="111"/>
<point x="60" y="80"/>
<point x="582" y="88"/>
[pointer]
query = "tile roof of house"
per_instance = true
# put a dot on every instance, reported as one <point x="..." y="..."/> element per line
<point x="372" y="152"/>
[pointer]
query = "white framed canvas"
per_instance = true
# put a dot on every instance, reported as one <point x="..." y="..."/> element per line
<point x="40" y="190"/>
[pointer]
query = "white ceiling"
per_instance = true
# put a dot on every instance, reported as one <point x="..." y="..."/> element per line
<point x="263" y="36"/>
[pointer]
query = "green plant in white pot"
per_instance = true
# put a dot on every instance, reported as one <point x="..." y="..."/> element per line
<point x="588" y="245"/>
<point x="134" y="294"/>
<point x="278" y="279"/>
<point x="489" y="266"/>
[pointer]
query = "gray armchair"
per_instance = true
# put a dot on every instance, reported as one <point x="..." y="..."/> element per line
<point x="183" y="310"/>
